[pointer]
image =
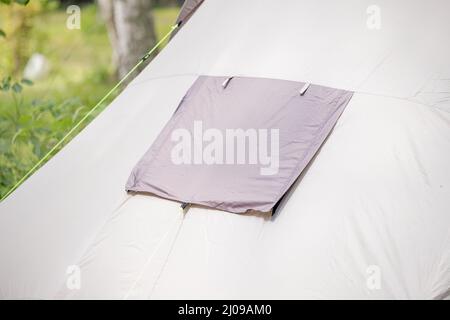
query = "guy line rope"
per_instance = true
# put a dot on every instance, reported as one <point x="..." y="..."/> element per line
<point x="86" y="116"/>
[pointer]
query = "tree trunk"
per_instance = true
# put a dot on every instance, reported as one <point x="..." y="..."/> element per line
<point x="131" y="31"/>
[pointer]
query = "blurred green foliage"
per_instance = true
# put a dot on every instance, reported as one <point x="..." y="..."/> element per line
<point x="34" y="116"/>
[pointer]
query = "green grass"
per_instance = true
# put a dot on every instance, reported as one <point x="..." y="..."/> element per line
<point x="81" y="73"/>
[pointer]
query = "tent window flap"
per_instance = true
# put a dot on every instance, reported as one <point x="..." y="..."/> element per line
<point x="238" y="147"/>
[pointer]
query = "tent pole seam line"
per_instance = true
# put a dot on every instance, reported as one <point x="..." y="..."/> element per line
<point x="150" y="258"/>
<point x="77" y="125"/>
<point x="166" y="260"/>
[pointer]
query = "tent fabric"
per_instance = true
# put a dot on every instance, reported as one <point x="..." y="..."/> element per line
<point x="371" y="198"/>
<point x="188" y="9"/>
<point x="252" y="136"/>
<point x="322" y="42"/>
<point x="373" y="202"/>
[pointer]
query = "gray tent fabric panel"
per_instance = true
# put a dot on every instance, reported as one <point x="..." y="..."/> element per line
<point x="242" y="142"/>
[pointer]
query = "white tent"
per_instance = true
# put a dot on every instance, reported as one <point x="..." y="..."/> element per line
<point x="369" y="218"/>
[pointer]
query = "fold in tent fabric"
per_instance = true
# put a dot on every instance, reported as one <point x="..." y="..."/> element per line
<point x="373" y="204"/>
<point x="251" y="136"/>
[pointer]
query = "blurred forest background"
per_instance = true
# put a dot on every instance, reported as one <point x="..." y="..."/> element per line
<point x="51" y="75"/>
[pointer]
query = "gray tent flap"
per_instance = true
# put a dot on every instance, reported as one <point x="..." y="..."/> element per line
<point x="237" y="144"/>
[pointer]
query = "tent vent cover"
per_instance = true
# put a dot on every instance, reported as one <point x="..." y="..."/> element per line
<point x="238" y="149"/>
